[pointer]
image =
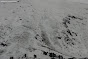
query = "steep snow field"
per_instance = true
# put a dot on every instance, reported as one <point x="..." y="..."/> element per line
<point x="43" y="29"/>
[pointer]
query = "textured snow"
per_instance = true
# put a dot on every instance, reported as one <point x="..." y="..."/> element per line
<point x="28" y="28"/>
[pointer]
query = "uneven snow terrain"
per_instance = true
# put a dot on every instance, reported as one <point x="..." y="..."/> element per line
<point x="43" y="29"/>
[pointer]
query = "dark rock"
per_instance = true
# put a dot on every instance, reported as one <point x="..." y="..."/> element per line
<point x="45" y="53"/>
<point x="11" y="57"/>
<point x="52" y="55"/>
<point x="60" y="57"/>
<point x="35" y="56"/>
